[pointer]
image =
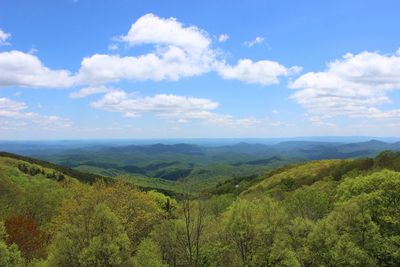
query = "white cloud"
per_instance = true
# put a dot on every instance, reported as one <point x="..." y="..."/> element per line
<point x="354" y="86"/>
<point x="4" y="36"/>
<point x="10" y="108"/>
<point x="258" y="40"/>
<point x="26" y="70"/>
<point x="170" y="63"/>
<point x="87" y="91"/>
<point x="13" y="113"/>
<point x="172" y="107"/>
<point x="161" y="105"/>
<point x="177" y="51"/>
<point x="229" y="120"/>
<point x="223" y="38"/>
<point x="150" y="29"/>
<point x="263" y="72"/>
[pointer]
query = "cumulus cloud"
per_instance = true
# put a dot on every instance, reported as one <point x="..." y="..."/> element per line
<point x="4" y="36"/>
<point x="92" y="90"/>
<point x="22" y="69"/>
<point x="13" y="113"/>
<point x="172" y="107"/>
<point x="353" y="86"/>
<point x="258" y="40"/>
<point x="170" y="63"/>
<point x="177" y="51"/>
<point x="151" y="29"/>
<point x="223" y="38"/>
<point x="161" y="105"/>
<point x="263" y="72"/>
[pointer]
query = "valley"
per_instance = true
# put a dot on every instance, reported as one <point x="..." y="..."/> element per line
<point x="309" y="210"/>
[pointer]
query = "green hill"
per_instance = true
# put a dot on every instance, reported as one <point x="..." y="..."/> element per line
<point x="22" y="169"/>
<point x="341" y="212"/>
<point x="285" y="180"/>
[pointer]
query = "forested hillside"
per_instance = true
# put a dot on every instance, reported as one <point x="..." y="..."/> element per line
<point x="318" y="213"/>
<point x="163" y="166"/>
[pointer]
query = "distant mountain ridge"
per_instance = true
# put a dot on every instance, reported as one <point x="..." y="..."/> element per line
<point x="161" y="148"/>
<point x="194" y="161"/>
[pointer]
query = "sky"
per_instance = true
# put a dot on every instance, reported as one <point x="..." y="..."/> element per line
<point x="91" y="69"/>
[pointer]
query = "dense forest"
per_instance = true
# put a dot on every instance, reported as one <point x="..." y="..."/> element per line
<point x="160" y="165"/>
<point x="343" y="212"/>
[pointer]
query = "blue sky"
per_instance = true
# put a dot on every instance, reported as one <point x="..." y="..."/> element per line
<point x="173" y="69"/>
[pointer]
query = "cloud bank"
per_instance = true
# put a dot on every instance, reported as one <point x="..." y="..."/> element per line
<point x="353" y="86"/>
<point x="26" y="70"/>
<point x="178" y="51"/>
<point x="14" y="114"/>
<point x="167" y="106"/>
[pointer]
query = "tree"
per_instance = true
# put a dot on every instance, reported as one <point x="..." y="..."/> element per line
<point x="24" y="232"/>
<point x="193" y="217"/>
<point x="389" y="160"/>
<point x="217" y="204"/>
<point x="312" y="202"/>
<point x="137" y="211"/>
<point x="256" y="228"/>
<point x="93" y="239"/>
<point x="42" y="200"/>
<point x="364" y="228"/>
<point x="10" y="256"/>
<point x="374" y="220"/>
<point x="11" y="197"/>
<point x="148" y="255"/>
<point x="181" y="240"/>
<point x="330" y="247"/>
<point x="298" y="232"/>
<point x="166" y="235"/>
<point x="167" y="204"/>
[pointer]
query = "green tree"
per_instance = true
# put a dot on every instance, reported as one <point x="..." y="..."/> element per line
<point x="312" y="202"/>
<point x="137" y="211"/>
<point x="256" y="228"/>
<point x="219" y="203"/>
<point x="298" y="232"/>
<point x="375" y="226"/>
<point x="10" y="256"/>
<point x="166" y="235"/>
<point x="92" y="239"/>
<point x="148" y="255"/>
<point x="330" y="247"/>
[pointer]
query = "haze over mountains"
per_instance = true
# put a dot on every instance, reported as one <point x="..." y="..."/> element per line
<point x="206" y="162"/>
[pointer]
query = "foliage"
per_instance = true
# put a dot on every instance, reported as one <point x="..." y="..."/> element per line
<point x="136" y="210"/>
<point x="95" y="238"/>
<point x="9" y="254"/>
<point x="319" y="213"/>
<point x="84" y="177"/>
<point x="23" y="231"/>
<point x="148" y="255"/>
